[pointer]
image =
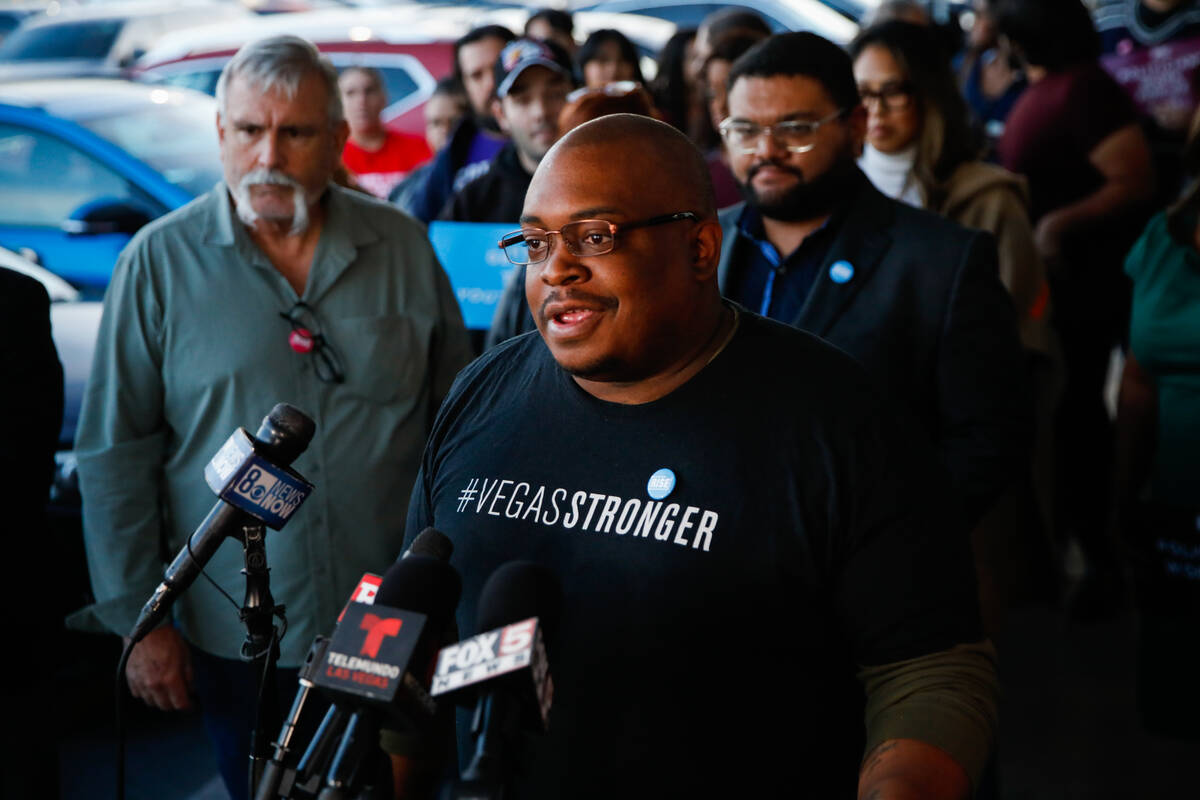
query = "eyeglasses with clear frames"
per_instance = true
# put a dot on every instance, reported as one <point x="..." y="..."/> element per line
<point x="585" y="237"/>
<point x="796" y="136"/>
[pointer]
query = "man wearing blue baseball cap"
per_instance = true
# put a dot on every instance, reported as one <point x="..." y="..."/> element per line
<point x="532" y="82"/>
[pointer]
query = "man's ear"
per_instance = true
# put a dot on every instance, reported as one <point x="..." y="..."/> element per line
<point x="706" y="249"/>
<point x="856" y="124"/>
<point x="341" y="132"/>
<point x="498" y="114"/>
<point x="220" y="130"/>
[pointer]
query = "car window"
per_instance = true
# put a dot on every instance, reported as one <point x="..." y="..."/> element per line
<point x="9" y="20"/>
<point x="205" y="81"/>
<point x="92" y="39"/>
<point x="399" y="84"/>
<point x="177" y="137"/>
<point x="43" y="179"/>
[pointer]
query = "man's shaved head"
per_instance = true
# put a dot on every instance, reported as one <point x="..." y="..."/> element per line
<point x="652" y="159"/>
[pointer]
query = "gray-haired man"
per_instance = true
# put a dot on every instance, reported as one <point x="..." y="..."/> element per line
<point x="274" y="286"/>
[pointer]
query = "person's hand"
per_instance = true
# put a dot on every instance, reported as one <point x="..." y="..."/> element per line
<point x="1172" y="117"/>
<point x="160" y="670"/>
<point x="1048" y="239"/>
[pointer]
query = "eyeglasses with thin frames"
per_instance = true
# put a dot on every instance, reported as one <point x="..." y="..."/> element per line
<point x="889" y="97"/>
<point x="794" y="135"/>
<point x="326" y="363"/>
<point x="585" y="237"/>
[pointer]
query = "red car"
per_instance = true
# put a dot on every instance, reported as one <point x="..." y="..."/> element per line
<point x="412" y="45"/>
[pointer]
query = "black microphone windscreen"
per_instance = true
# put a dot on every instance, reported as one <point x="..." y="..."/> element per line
<point x="519" y="590"/>
<point x="431" y="542"/>
<point x="423" y="584"/>
<point x="286" y="431"/>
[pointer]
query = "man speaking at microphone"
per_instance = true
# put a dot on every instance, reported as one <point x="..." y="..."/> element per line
<point x="767" y="587"/>
<point x="274" y="286"/>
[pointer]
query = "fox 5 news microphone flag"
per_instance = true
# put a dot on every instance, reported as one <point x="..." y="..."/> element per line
<point x="512" y="648"/>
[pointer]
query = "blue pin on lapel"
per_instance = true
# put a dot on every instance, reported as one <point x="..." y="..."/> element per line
<point x="841" y="271"/>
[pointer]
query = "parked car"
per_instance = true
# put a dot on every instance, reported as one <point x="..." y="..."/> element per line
<point x="85" y="162"/>
<point x="104" y="39"/>
<point x="411" y="45"/>
<point x="781" y="15"/>
<point x="410" y="56"/>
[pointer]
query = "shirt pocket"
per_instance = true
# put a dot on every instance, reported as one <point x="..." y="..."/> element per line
<point x="386" y="358"/>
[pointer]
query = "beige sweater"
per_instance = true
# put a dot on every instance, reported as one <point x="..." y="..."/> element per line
<point x="992" y="199"/>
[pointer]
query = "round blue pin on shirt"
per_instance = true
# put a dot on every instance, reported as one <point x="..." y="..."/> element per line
<point x="661" y="484"/>
<point x="841" y="271"/>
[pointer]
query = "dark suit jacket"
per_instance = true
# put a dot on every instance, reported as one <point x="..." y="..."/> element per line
<point x="31" y="403"/>
<point x="925" y="313"/>
<point x="31" y="407"/>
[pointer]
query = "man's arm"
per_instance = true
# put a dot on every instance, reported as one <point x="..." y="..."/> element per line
<point x="1126" y="166"/>
<point x="985" y="408"/>
<point x="1135" y="440"/>
<point x="907" y="769"/>
<point x="930" y="723"/>
<point x="121" y="448"/>
<point x="906" y="598"/>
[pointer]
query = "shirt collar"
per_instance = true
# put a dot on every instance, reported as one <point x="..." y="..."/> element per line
<point x="750" y="225"/>
<point x="342" y="226"/>
<point x="346" y="230"/>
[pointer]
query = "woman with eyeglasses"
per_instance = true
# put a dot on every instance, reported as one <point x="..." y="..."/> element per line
<point x="921" y="149"/>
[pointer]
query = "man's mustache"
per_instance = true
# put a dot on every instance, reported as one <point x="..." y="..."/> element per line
<point x="268" y="177"/>
<point x="760" y="165"/>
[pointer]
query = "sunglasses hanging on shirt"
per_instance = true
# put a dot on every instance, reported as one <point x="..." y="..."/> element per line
<point x="308" y="339"/>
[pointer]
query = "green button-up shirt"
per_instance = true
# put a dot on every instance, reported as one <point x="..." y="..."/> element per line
<point x="192" y="346"/>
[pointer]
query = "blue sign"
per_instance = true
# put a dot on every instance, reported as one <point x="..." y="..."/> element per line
<point x="661" y="484"/>
<point x="471" y="255"/>
<point x="841" y="271"/>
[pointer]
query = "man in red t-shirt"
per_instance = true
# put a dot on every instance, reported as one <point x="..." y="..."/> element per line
<point x="377" y="157"/>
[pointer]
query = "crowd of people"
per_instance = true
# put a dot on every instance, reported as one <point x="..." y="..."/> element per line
<point x="860" y="304"/>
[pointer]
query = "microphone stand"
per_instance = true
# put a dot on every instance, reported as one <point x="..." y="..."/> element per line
<point x="487" y="776"/>
<point x="261" y="647"/>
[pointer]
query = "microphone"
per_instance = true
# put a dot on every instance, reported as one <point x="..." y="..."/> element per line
<point x="279" y="775"/>
<point x="506" y="667"/>
<point x="430" y="542"/>
<point x="253" y="483"/>
<point x="379" y="663"/>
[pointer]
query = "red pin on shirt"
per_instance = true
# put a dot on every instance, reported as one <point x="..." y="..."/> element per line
<point x="301" y="340"/>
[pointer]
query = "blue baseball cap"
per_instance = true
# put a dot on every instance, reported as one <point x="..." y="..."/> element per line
<point x="521" y="54"/>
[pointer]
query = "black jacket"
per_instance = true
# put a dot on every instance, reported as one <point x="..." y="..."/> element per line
<point x="497" y="195"/>
<point x="923" y="310"/>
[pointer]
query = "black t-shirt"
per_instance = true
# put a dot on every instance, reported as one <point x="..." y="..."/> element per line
<point x="497" y="195"/>
<point x="710" y="635"/>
